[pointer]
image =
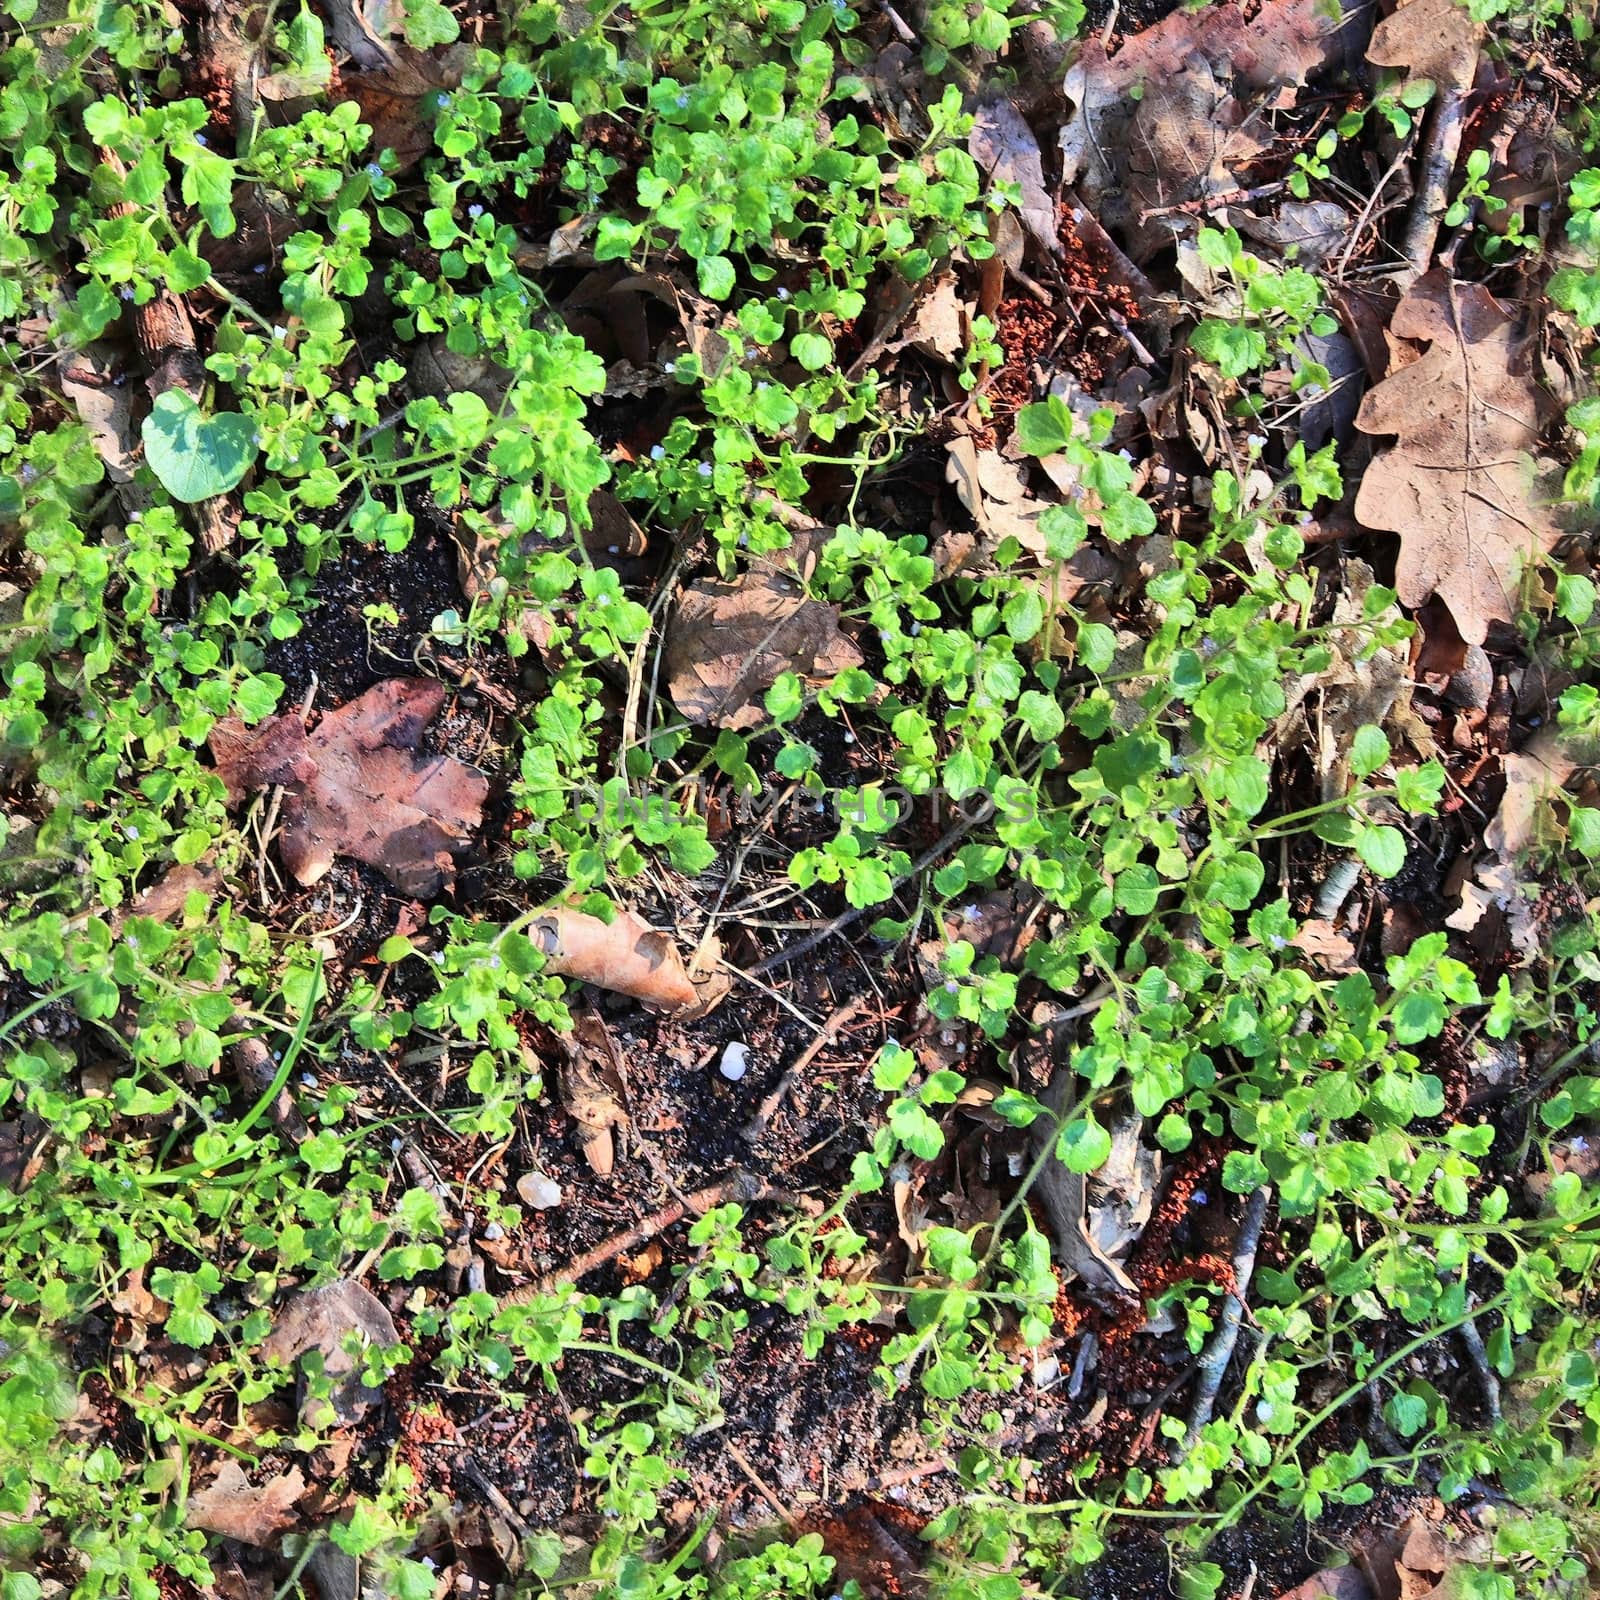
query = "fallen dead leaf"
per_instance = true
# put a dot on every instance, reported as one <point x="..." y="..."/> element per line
<point x="325" y="1319"/>
<point x="1331" y="949"/>
<point x="1359" y="686"/>
<point x="1172" y="117"/>
<point x="995" y="492"/>
<point x="94" y="379"/>
<point x="1533" y="775"/>
<point x="1434" y="39"/>
<point x="235" y="1508"/>
<point x="1334" y="1583"/>
<point x="1122" y="1193"/>
<point x="728" y="643"/>
<point x="936" y="326"/>
<point x="357" y="786"/>
<point x="625" y="955"/>
<point x="1002" y="143"/>
<point x="391" y="83"/>
<point x="1457" y="485"/>
<point x="593" y="1091"/>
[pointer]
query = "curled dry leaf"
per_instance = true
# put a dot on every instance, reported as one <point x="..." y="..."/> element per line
<point x="1533" y="774"/>
<point x="93" y="379"/>
<point x="936" y="325"/>
<point x="1457" y="485"/>
<point x="1122" y="1193"/>
<point x="1326" y="945"/>
<point x="357" y="786"/>
<point x="728" y="643"/>
<point x="1334" y="1583"/>
<point x="235" y="1508"/>
<point x="593" y="1090"/>
<point x="996" y="493"/>
<point x="625" y="955"/>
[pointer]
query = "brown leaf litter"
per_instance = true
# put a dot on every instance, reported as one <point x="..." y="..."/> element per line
<point x="1458" y="484"/>
<point x="728" y="643"/>
<point x="1177" y="113"/>
<point x="1534" y="775"/>
<point x="356" y="785"/>
<point x="235" y="1508"/>
<point x="332" y="1320"/>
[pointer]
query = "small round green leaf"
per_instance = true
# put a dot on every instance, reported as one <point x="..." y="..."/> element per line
<point x="1383" y="849"/>
<point x="195" y="456"/>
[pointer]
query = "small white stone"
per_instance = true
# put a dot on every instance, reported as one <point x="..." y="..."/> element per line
<point x="735" y="1061"/>
<point x="539" y="1190"/>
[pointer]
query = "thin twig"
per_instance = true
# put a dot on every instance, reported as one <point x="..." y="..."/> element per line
<point x="1214" y="1363"/>
<point x="952" y="835"/>
<point x="1439" y="153"/>
<point x="768" y="1108"/>
<point x="742" y="1187"/>
<point x="759" y="1485"/>
<point x="1473" y="1340"/>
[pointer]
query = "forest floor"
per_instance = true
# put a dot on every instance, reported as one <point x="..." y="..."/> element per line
<point x="797" y="796"/>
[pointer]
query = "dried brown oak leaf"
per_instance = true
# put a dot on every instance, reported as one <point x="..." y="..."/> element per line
<point x="728" y="643"/>
<point x="625" y="955"/>
<point x="1456" y="486"/>
<point x="356" y="785"/>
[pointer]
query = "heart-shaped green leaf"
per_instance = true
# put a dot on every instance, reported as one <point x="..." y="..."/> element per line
<point x="196" y="456"/>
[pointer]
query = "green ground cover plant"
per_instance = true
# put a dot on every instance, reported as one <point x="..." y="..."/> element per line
<point x="771" y="179"/>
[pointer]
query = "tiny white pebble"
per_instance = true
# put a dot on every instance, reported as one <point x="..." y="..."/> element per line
<point x="656" y="452"/>
<point x="849" y="738"/>
<point x="735" y="1061"/>
<point x="279" y="332"/>
<point x="539" y="1190"/>
<point x="669" y="366"/>
<point x="494" y="1231"/>
<point x="612" y="549"/>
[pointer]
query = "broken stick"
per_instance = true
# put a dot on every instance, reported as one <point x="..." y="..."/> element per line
<point x="768" y="1109"/>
